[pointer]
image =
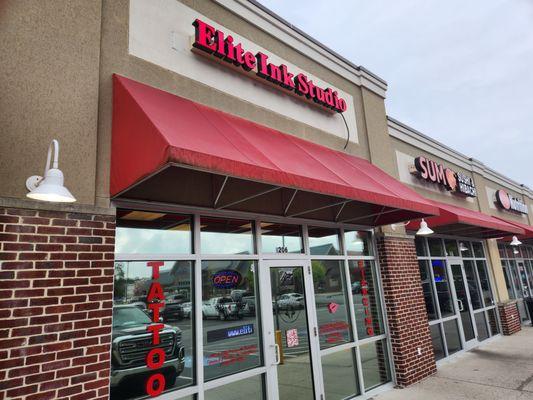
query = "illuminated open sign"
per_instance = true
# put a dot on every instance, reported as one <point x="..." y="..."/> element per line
<point x="226" y="279"/>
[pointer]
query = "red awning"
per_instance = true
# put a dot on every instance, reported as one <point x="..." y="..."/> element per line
<point x="169" y="149"/>
<point x="461" y="221"/>
<point x="528" y="229"/>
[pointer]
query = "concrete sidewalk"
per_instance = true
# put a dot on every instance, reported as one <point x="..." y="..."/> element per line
<point x="500" y="369"/>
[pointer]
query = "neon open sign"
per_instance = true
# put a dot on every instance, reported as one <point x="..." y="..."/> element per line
<point x="226" y="279"/>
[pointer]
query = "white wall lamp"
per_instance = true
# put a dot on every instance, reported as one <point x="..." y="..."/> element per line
<point x="423" y="230"/>
<point x="462" y="247"/>
<point x="515" y="242"/>
<point x="50" y="187"/>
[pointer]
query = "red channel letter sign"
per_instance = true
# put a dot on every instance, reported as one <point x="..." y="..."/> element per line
<point x="215" y="42"/>
<point x="155" y="357"/>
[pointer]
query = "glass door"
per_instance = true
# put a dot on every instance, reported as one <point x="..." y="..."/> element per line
<point x="291" y="333"/>
<point x="464" y="304"/>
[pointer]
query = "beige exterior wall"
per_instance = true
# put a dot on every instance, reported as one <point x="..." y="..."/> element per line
<point x="115" y="59"/>
<point x="49" y="60"/>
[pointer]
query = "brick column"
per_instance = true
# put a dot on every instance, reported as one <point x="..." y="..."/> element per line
<point x="509" y="317"/>
<point x="56" y="299"/>
<point x="406" y="310"/>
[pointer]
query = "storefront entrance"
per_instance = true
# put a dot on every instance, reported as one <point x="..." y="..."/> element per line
<point x="291" y="331"/>
<point x="458" y="294"/>
<point x="254" y="308"/>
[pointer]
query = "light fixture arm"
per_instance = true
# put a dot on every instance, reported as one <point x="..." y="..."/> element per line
<point x="55" y="165"/>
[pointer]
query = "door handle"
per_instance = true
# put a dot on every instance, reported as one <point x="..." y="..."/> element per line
<point x="277" y="353"/>
<point x="461" y="305"/>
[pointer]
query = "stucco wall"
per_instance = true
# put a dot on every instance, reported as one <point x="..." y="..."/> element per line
<point x="49" y="60"/>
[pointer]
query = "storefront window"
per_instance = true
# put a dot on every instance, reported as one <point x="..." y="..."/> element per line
<point x="478" y="250"/>
<point x="443" y="287"/>
<point x="230" y="312"/>
<point x="281" y="238"/>
<point x="226" y="236"/>
<point x="473" y="288"/>
<point x="141" y="232"/>
<point x="435" y="247"/>
<point x="466" y="249"/>
<point x="374" y="364"/>
<point x="451" y="248"/>
<point x="451" y="332"/>
<point x="493" y="322"/>
<point x="484" y="281"/>
<point x="420" y="243"/>
<point x="331" y="305"/>
<point x="425" y="276"/>
<point x="340" y="375"/>
<point x="323" y="241"/>
<point x="246" y="389"/>
<point x="358" y="243"/>
<point x="133" y="314"/>
<point x="436" y="340"/>
<point x="481" y="325"/>
<point x="508" y="280"/>
<point x="366" y="299"/>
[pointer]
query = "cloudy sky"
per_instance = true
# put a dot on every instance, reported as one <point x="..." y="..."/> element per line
<point x="458" y="71"/>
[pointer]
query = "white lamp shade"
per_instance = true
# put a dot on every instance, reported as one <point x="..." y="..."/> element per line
<point x="462" y="247"/>
<point x="515" y="241"/>
<point x="51" y="188"/>
<point x="424" y="229"/>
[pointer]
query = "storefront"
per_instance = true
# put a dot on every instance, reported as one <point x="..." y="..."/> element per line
<point x="247" y="216"/>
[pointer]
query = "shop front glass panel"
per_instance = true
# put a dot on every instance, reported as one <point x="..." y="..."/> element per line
<point x="508" y="280"/>
<point x="231" y="334"/>
<point x="340" y="375"/>
<point x="366" y="298"/>
<point x="330" y="301"/>
<point x="444" y="294"/>
<point x="516" y="280"/>
<point x="246" y="389"/>
<point x="481" y="326"/>
<point x="472" y="282"/>
<point x="295" y="374"/>
<point x="374" y="364"/>
<point x="358" y="243"/>
<point x="493" y="322"/>
<point x="226" y="236"/>
<point x="451" y="332"/>
<point x="132" y="315"/>
<point x="478" y="249"/>
<point x="323" y="241"/>
<point x="427" y="288"/>
<point x="436" y="341"/>
<point x="484" y="282"/>
<point x="466" y="249"/>
<point x="140" y="232"/>
<point x="281" y="238"/>
<point x="462" y="299"/>
<point x="523" y="278"/>
<point x="420" y="244"/>
<point x="436" y="248"/>
<point x="452" y="250"/>
<point x="529" y="264"/>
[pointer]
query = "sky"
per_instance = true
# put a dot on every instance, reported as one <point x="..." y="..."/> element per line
<point x="458" y="71"/>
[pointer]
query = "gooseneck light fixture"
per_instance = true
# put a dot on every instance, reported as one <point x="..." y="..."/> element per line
<point x="50" y="187"/>
<point x="424" y="229"/>
<point x="515" y="242"/>
<point x="462" y="247"/>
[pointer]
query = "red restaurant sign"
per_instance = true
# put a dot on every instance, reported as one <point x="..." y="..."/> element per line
<point x="215" y="42"/>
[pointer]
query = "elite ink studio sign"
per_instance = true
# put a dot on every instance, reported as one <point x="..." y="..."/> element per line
<point x="452" y="181"/>
<point x="507" y="202"/>
<point x="216" y="43"/>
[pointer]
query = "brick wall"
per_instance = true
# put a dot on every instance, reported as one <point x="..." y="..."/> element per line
<point x="56" y="292"/>
<point x="509" y="317"/>
<point x="406" y="310"/>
